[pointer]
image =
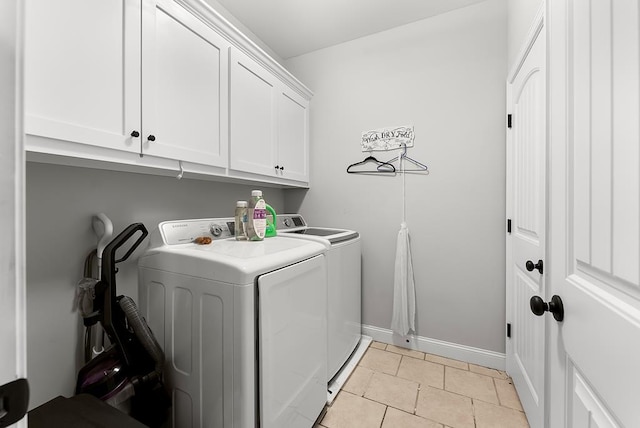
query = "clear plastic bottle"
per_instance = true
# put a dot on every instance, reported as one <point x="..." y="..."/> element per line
<point x="240" y="220"/>
<point x="256" y="225"/>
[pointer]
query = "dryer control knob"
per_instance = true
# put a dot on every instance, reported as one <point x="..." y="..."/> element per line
<point x="216" y="230"/>
<point x="287" y="222"/>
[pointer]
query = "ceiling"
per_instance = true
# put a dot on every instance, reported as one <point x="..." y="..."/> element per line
<point x="295" y="27"/>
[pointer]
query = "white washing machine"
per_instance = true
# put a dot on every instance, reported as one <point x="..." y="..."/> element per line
<point x="344" y="292"/>
<point x="241" y="324"/>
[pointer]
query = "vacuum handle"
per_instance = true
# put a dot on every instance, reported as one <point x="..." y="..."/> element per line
<point x="110" y="250"/>
<point x="108" y="277"/>
<point x="106" y="288"/>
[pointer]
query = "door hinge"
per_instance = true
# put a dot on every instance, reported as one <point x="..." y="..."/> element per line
<point x="508" y="225"/>
<point x="509" y="329"/>
<point x="508" y="121"/>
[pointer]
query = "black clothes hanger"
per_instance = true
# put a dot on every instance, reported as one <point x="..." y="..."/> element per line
<point x="381" y="167"/>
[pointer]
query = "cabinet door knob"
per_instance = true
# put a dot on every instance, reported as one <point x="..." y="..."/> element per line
<point x="135" y="134"/>
<point x="277" y="167"/>
<point x="281" y="168"/>
<point x="151" y="137"/>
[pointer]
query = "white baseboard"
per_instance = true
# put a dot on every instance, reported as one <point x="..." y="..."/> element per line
<point x="481" y="357"/>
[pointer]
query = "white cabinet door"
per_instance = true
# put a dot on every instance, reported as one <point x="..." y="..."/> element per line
<point x="269" y="131"/>
<point x="82" y="71"/>
<point x="252" y="116"/>
<point x="184" y="85"/>
<point x="293" y="136"/>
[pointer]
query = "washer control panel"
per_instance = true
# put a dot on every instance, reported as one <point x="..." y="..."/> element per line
<point x="186" y="231"/>
<point x="290" y="222"/>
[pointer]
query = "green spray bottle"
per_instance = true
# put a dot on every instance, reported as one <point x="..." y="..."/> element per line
<point x="271" y="223"/>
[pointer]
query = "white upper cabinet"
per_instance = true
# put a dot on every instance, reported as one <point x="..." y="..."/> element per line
<point x="268" y="123"/>
<point x="82" y="75"/>
<point x="252" y="113"/>
<point x="147" y="83"/>
<point x="184" y="83"/>
<point x="293" y="135"/>
<point x="89" y="82"/>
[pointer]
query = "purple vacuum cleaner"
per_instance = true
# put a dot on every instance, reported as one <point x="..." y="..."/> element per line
<point x="128" y="375"/>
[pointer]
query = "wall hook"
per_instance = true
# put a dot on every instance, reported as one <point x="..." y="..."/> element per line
<point x="181" y="173"/>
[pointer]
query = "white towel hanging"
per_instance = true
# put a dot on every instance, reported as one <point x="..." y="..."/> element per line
<point x="404" y="290"/>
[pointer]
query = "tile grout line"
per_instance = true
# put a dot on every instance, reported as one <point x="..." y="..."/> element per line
<point x="495" y="387"/>
<point x="473" y="411"/>
<point x="384" y="416"/>
<point x="399" y="364"/>
<point x="368" y="383"/>
<point x="444" y="379"/>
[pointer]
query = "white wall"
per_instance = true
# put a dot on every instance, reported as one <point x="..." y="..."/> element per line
<point x="520" y="14"/>
<point x="60" y="203"/>
<point x="446" y="76"/>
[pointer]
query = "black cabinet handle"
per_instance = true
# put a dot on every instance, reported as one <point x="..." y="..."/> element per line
<point x="530" y="266"/>
<point x="151" y="138"/>
<point x="277" y="167"/>
<point x="135" y="134"/>
<point x="281" y="168"/>
<point x="555" y="306"/>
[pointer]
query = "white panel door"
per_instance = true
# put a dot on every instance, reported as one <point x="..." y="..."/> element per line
<point x="527" y="211"/>
<point x="82" y="71"/>
<point x="292" y="344"/>
<point x="184" y="84"/>
<point x="293" y="132"/>
<point x="595" y="212"/>
<point x="13" y="335"/>
<point x="252" y="116"/>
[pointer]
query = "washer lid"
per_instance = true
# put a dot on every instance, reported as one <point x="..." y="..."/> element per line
<point x="332" y="235"/>
<point x="224" y="259"/>
<point x="228" y="260"/>
<point x="295" y="224"/>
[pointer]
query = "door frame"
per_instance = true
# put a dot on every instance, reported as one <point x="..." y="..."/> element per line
<point x="557" y="120"/>
<point x="538" y="27"/>
<point x="13" y="334"/>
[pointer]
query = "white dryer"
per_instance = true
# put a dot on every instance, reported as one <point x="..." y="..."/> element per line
<point x="344" y="292"/>
<point x="241" y="323"/>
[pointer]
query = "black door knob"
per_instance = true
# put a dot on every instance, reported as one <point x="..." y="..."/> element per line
<point x="151" y="138"/>
<point x="530" y="266"/>
<point x="555" y="306"/>
<point x="135" y="134"/>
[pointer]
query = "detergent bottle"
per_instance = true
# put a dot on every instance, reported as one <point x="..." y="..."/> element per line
<point x="256" y="225"/>
<point x="271" y="223"/>
<point x="240" y="220"/>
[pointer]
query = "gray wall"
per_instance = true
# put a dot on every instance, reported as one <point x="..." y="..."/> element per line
<point x="446" y="76"/>
<point x="520" y="17"/>
<point x="60" y="203"/>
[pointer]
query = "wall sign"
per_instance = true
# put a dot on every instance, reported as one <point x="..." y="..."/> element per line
<point x="387" y="138"/>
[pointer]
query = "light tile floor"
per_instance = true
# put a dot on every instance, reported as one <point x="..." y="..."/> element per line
<point x="395" y="387"/>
